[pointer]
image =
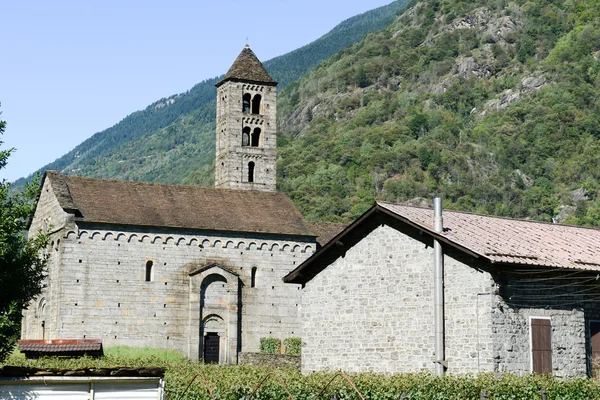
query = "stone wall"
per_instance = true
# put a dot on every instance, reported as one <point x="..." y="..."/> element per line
<point x="102" y="292"/>
<point x="547" y="295"/>
<point x="40" y="317"/>
<point x="372" y="310"/>
<point x="277" y="361"/>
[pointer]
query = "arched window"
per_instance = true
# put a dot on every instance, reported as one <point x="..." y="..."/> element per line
<point x="246" y="136"/>
<point x="246" y="103"/>
<point x="251" y="171"/>
<point x="149" y="272"/>
<point x="255" y="137"/>
<point x="253" y="277"/>
<point x="256" y="104"/>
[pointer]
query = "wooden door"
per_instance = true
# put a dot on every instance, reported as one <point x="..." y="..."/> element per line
<point x="595" y="339"/>
<point x="541" y="346"/>
<point x="211" y="348"/>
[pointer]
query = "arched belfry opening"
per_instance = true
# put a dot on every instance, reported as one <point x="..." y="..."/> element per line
<point x="251" y="171"/>
<point x="256" y="137"/>
<point x="246" y="136"/>
<point x="256" y="104"/>
<point x="246" y="103"/>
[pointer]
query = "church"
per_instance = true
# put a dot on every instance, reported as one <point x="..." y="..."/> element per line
<point x="189" y="268"/>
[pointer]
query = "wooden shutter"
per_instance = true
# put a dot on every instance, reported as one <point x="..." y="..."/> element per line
<point x="595" y="339"/>
<point x="541" y="346"/>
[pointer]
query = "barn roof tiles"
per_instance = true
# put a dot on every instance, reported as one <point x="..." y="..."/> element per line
<point x="177" y="206"/>
<point x="495" y="240"/>
<point x="248" y="68"/>
<point x="512" y="241"/>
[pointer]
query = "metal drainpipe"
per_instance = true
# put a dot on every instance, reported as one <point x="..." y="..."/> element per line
<point x="440" y="356"/>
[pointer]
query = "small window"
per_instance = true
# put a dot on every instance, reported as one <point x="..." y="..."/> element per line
<point x="253" y="277"/>
<point x="256" y="104"/>
<point x="149" y="272"/>
<point x="255" y="137"/>
<point x="251" y="171"/>
<point x="246" y="103"/>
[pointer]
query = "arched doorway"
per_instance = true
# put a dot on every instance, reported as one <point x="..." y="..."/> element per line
<point x="213" y="332"/>
<point x="214" y="313"/>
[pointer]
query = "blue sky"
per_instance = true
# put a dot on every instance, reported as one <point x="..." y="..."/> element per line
<point x="70" y="69"/>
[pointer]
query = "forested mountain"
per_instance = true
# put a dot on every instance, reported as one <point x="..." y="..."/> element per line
<point x="494" y="105"/>
<point x="149" y="145"/>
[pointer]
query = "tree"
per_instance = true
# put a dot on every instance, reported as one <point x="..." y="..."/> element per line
<point x="22" y="261"/>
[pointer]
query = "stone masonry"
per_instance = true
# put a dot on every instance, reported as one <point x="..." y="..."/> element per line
<point x="372" y="310"/>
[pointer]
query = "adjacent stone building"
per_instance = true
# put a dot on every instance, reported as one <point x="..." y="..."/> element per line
<point x="179" y="267"/>
<point x="520" y="296"/>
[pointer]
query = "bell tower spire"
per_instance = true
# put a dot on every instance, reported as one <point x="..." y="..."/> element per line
<point x="246" y="126"/>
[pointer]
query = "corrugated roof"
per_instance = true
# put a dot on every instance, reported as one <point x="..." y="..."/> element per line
<point x="247" y="67"/>
<point x="177" y="206"/>
<point x="512" y="241"/>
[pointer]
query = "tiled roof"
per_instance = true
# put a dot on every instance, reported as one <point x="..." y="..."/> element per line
<point x="247" y="67"/>
<point x="326" y="230"/>
<point x="512" y="241"/>
<point x="60" y="346"/>
<point x="503" y="241"/>
<point x="177" y="206"/>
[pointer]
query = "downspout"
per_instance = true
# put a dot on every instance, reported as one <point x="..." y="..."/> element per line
<point x="438" y="276"/>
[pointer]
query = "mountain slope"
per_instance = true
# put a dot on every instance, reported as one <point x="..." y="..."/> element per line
<point x="493" y="105"/>
<point x="194" y="110"/>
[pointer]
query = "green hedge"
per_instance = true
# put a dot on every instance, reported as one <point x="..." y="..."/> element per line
<point x="270" y="345"/>
<point x="292" y="346"/>
<point x="234" y="382"/>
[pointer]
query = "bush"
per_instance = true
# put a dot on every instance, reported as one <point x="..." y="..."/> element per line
<point x="270" y="345"/>
<point x="235" y="382"/>
<point x="292" y="346"/>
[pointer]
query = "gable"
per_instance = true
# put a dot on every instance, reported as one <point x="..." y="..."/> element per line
<point x="491" y="240"/>
<point x="49" y="214"/>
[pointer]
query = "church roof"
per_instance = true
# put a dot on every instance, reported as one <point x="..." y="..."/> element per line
<point x="326" y="231"/>
<point x="177" y="206"/>
<point x="248" y="68"/>
<point x="492" y="240"/>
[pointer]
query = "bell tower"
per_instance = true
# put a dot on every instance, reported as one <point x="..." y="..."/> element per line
<point x="246" y="126"/>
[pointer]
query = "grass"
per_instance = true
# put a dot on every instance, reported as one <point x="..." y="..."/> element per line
<point x="133" y="353"/>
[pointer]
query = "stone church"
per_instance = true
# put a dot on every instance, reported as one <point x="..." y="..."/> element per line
<point x="180" y="267"/>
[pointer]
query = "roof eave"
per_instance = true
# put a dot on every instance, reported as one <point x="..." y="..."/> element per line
<point x="233" y="79"/>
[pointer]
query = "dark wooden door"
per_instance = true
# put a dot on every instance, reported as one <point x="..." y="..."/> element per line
<point x="541" y="346"/>
<point x="595" y="336"/>
<point x="211" y="348"/>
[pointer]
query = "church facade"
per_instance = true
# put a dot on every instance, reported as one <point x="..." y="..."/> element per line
<point x="179" y="267"/>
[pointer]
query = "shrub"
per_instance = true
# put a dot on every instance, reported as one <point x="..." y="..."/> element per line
<point x="270" y="345"/>
<point x="292" y="346"/>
